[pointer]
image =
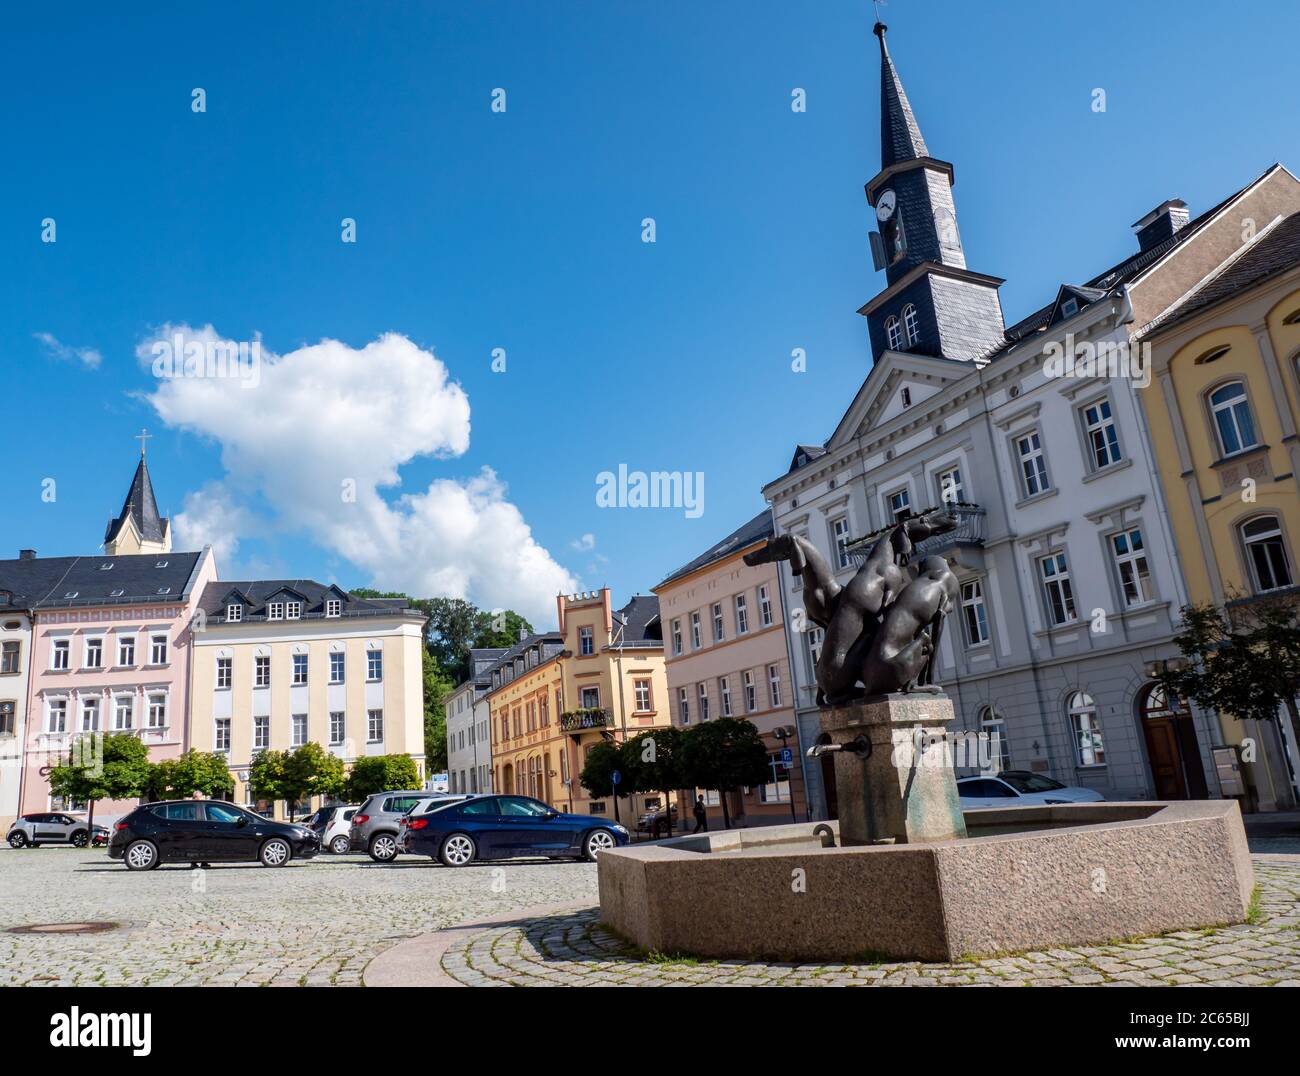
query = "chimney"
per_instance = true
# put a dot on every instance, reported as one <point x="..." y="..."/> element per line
<point x="26" y="554"/>
<point x="523" y="634"/>
<point x="1161" y="223"/>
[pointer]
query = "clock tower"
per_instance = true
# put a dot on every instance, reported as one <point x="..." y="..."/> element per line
<point x="932" y="304"/>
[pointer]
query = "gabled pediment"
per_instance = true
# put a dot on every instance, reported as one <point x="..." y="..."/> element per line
<point x="898" y="383"/>
<point x="235" y="596"/>
<point x="287" y="593"/>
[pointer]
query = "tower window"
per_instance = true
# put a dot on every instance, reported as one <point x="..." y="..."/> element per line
<point x="894" y="332"/>
<point x="907" y="396"/>
<point x="911" y="325"/>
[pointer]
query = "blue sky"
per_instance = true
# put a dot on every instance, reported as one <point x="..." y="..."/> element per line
<point x="522" y="230"/>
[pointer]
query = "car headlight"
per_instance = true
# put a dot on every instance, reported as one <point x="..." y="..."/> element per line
<point x="620" y="829"/>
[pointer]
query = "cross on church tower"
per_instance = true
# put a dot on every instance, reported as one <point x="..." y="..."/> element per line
<point x="143" y="436"/>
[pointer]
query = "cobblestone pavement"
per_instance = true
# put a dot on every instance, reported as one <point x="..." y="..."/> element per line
<point x="574" y="950"/>
<point x="311" y="923"/>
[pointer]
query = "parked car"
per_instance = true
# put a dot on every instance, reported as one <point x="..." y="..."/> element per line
<point x="1020" y="788"/>
<point x="653" y="821"/>
<point x="424" y="806"/>
<point x="504" y="827"/>
<point x="49" y="827"/>
<point x="205" y="831"/>
<point x="374" y="826"/>
<point x="334" y="830"/>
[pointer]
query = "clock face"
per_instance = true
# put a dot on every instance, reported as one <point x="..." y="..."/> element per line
<point x="885" y="205"/>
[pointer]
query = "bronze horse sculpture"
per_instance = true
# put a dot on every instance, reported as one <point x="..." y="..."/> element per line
<point x="883" y="627"/>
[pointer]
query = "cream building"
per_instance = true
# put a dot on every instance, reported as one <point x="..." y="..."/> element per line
<point x="279" y="663"/>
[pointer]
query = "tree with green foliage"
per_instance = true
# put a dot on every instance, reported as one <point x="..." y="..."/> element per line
<point x="381" y="773"/>
<point x="651" y="762"/>
<point x="597" y="773"/>
<point x="194" y="771"/>
<point x="723" y="754"/>
<point x="1242" y="659"/>
<point x="310" y="770"/>
<point x="437" y="686"/>
<point x="113" y="766"/>
<point x="266" y="779"/>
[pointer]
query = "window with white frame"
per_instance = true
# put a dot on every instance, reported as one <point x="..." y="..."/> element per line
<point x="334" y="607"/>
<point x="59" y="652"/>
<point x="911" y="325"/>
<point x="10" y="654"/>
<point x="275" y="611"/>
<point x="8" y="717"/>
<point x="590" y="698"/>
<point x="375" y="726"/>
<point x="840" y="540"/>
<point x="702" y="693"/>
<point x="695" y="631"/>
<point x="742" y="615"/>
<point x="1055" y="573"/>
<point x="894" y="333"/>
<point x="89" y="715"/>
<point x="751" y="691"/>
<point x="814" y="647"/>
<point x="293" y="610"/>
<point x="299" y="727"/>
<point x="677" y="636"/>
<point x="338" y="727"/>
<point x="724" y="693"/>
<point x="225" y="668"/>
<point x="774" y="685"/>
<point x="1266" y="553"/>
<point x="586" y="641"/>
<point x="374" y="664"/>
<point x="158" y="650"/>
<point x="1103" y="437"/>
<point x="56" y="715"/>
<point x="336" y="666"/>
<point x="1131" y="564"/>
<point x="124" y="713"/>
<point x="261" y="732"/>
<point x="974" y="615"/>
<point x="221" y="735"/>
<point x="764" y="606"/>
<point x="951" y="490"/>
<point x="157" y="717"/>
<point x="1033" y="464"/>
<point x="683" y="706"/>
<point x="126" y="651"/>
<point x="262" y="670"/>
<point x="234" y="613"/>
<point x="718" y="632"/>
<point x="95" y="653"/>
<point x="899" y="504"/>
<point x="1086" y="730"/>
<point x="993" y="728"/>
<point x="777" y="790"/>
<point x="299" y="668"/>
<point x="1233" y="422"/>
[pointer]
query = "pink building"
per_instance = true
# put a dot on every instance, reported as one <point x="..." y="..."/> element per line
<point x="110" y="642"/>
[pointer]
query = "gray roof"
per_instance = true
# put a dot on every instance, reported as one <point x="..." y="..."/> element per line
<point x="1273" y="252"/>
<point x="254" y="595"/>
<point x="900" y="134"/>
<point x="141" y="506"/>
<point x="642" y="616"/>
<point x="68" y="582"/>
<point x="758" y="529"/>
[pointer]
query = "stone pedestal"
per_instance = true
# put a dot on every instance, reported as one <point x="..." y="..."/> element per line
<point x="900" y="792"/>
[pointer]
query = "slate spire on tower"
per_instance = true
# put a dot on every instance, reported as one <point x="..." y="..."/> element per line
<point x="139" y="528"/>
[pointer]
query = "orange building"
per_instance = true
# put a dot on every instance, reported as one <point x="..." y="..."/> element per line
<point x="554" y="696"/>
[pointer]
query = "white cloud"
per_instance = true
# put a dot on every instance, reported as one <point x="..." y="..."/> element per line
<point x="87" y="356"/>
<point x="317" y="436"/>
<point x="585" y="544"/>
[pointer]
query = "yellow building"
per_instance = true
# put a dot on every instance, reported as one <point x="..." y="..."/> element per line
<point x="1224" y="411"/>
<point x="279" y="663"/>
<point x="553" y="697"/>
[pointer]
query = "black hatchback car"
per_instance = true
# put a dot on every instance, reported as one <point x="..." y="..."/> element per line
<point x="204" y="831"/>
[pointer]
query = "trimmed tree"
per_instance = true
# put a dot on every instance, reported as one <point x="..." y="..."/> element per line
<point x="194" y="771"/>
<point x="597" y="773"/>
<point x="651" y="762"/>
<point x="721" y="755"/>
<point x="310" y="770"/>
<point x="114" y="766"/>
<point x="266" y="778"/>
<point x="381" y="773"/>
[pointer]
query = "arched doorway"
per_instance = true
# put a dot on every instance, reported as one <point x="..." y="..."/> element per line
<point x="1172" y="751"/>
<point x="508" y="778"/>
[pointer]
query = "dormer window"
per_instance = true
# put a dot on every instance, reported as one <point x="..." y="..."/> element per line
<point x="161" y="564"/>
<point x="117" y="593"/>
<point x="911" y="325"/>
<point x="293" y="611"/>
<point x="164" y="590"/>
<point x="1070" y="307"/>
<point x="70" y="594"/>
<point x="802" y="460"/>
<point x="275" y="611"/>
<point x="234" y="613"/>
<point x="894" y="333"/>
<point x="107" y="566"/>
<point x="334" y="607"/>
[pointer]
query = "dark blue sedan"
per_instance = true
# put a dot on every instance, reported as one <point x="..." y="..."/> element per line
<point x="503" y="827"/>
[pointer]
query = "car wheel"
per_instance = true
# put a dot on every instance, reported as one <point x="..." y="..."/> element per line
<point x="598" y="840"/>
<point x="383" y="848"/>
<point x="18" y="840"/>
<point x="339" y="845"/>
<point x="275" y="853"/>
<point x="80" y="839"/>
<point x="458" y="850"/>
<point x="141" y="856"/>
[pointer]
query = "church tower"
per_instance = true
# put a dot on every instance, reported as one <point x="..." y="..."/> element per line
<point x="933" y="304"/>
<point x="138" y="528"/>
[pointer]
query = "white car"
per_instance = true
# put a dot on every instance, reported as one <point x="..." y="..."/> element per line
<point x="1020" y="788"/>
<point x="335" y="834"/>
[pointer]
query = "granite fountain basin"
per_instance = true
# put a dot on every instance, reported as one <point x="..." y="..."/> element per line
<point x="1024" y="878"/>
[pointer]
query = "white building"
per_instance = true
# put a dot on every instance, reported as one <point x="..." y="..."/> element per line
<point x="469" y="738"/>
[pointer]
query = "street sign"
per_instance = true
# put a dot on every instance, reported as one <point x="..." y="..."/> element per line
<point x="616" y="778"/>
<point x="787" y="757"/>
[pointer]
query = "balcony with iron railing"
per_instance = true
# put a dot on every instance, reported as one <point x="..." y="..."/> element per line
<point x="592" y="717"/>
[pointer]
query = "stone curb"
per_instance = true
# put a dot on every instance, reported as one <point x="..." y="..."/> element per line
<point x="418" y="961"/>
